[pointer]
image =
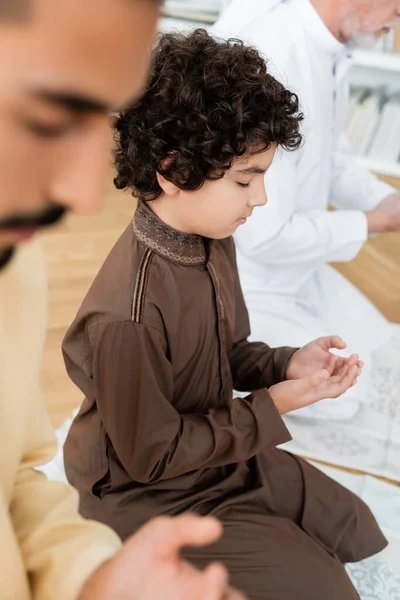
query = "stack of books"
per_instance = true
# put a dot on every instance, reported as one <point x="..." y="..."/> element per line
<point x="373" y="124"/>
<point x="390" y="42"/>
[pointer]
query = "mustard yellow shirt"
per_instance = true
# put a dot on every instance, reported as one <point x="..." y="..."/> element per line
<point x="46" y="549"/>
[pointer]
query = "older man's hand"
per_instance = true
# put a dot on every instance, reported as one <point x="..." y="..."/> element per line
<point x="386" y="216"/>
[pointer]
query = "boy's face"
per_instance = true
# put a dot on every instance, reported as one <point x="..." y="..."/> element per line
<point x="218" y="208"/>
<point x="63" y="70"/>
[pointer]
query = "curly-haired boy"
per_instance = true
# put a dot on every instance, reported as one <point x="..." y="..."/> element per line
<point x="160" y="341"/>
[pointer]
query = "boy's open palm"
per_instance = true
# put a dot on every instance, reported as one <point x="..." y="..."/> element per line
<point x="317" y="355"/>
<point x="298" y="393"/>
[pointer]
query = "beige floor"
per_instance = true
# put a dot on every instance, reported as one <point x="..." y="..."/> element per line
<point x="77" y="248"/>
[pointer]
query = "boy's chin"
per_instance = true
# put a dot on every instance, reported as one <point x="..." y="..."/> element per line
<point x="222" y="235"/>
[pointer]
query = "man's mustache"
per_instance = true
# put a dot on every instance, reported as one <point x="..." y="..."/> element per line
<point x="50" y="215"/>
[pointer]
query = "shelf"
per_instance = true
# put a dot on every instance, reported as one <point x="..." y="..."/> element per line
<point x="183" y="25"/>
<point x="380" y="167"/>
<point x="382" y="61"/>
<point x="191" y="16"/>
<point x="168" y="25"/>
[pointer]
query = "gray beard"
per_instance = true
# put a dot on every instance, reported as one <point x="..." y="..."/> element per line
<point x="365" y="40"/>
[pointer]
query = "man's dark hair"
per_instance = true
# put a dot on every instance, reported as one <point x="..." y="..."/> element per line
<point x="207" y="103"/>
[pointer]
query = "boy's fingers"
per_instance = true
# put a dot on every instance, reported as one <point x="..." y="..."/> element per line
<point x="340" y="363"/>
<point x="332" y="364"/>
<point x="338" y="385"/>
<point x="350" y="370"/>
<point x="316" y="379"/>
<point x="341" y="372"/>
<point x="334" y="341"/>
<point x="348" y="379"/>
<point x="344" y="363"/>
<point x="352" y="360"/>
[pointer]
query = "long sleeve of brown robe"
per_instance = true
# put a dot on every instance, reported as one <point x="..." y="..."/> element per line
<point x="254" y="365"/>
<point x="134" y="391"/>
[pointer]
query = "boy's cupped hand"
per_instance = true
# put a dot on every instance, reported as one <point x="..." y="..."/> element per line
<point x="314" y="373"/>
<point x="317" y="355"/>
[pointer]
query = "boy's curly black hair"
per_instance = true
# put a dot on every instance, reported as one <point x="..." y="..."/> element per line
<point x="207" y="102"/>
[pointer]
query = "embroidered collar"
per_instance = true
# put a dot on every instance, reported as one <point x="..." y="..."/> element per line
<point x="176" y="246"/>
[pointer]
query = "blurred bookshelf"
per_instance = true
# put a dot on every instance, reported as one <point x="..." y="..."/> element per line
<point x="373" y="119"/>
<point x="204" y="11"/>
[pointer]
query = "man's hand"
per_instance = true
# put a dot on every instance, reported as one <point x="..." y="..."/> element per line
<point x="298" y="393"/>
<point x="149" y="567"/>
<point x="386" y="216"/>
<point x="317" y="355"/>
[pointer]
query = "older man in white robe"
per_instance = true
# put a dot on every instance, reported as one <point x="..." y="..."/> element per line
<point x="292" y="293"/>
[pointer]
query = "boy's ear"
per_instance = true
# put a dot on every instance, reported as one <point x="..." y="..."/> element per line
<point x="169" y="188"/>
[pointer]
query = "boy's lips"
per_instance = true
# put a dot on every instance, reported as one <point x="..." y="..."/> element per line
<point x="243" y="220"/>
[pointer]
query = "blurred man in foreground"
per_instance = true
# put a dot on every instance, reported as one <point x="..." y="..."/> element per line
<point x="64" y="67"/>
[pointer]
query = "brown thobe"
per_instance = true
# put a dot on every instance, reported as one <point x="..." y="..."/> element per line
<point x="157" y="347"/>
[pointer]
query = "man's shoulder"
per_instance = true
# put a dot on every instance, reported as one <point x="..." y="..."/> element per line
<point x="266" y="24"/>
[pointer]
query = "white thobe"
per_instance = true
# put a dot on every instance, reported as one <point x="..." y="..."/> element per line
<point x="283" y="251"/>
